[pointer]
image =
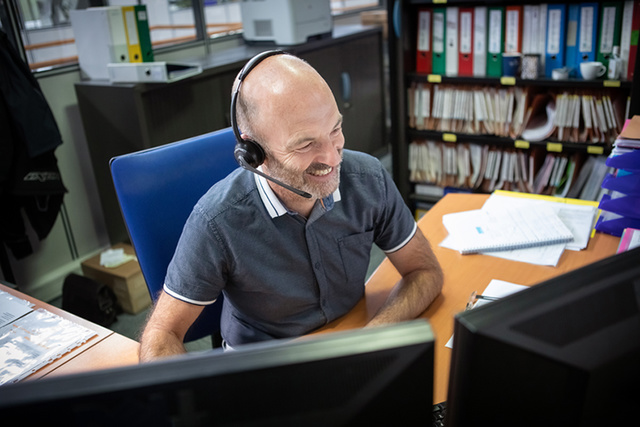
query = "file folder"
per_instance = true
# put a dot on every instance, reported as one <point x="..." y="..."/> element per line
<point x="495" y="41"/>
<point x="633" y="44"/>
<point x="480" y="41"/>
<point x="556" y="37"/>
<point x="530" y="29"/>
<point x="587" y="33"/>
<point x="465" y="53"/>
<point x="513" y="29"/>
<point x="424" y="59"/>
<point x="625" y="37"/>
<point x="131" y="33"/>
<point x="144" y="34"/>
<point x="439" y="23"/>
<point x="610" y="23"/>
<point x="452" y="42"/>
<point x="571" y="52"/>
<point x="100" y="39"/>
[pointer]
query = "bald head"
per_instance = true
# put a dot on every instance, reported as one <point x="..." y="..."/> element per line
<point x="275" y="87"/>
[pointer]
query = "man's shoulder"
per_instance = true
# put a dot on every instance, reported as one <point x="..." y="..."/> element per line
<point x="234" y="191"/>
<point x="357" y="162"/>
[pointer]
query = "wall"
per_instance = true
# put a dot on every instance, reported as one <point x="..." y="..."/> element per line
<point x="84" y="233"/>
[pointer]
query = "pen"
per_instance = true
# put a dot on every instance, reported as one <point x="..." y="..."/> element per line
<point x="474" y="297"/>
<point x="485" y="297"/>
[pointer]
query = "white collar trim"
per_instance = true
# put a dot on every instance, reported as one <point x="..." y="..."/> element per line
<point x="271" y="202"/>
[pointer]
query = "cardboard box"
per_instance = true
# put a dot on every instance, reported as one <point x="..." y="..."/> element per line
<point x="126" y="280"/>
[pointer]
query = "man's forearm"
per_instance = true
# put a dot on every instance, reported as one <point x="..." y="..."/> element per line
<point x="156" y="344"/>
<point x="410" y="297"/>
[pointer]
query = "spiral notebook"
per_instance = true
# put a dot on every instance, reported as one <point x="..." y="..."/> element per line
<point x="481" y="230"/>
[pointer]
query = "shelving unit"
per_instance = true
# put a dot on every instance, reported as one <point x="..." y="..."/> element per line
<point x="402" y="40"/>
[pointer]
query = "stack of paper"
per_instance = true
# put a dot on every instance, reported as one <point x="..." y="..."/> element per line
<point x="577" y="215"/>
<point x="483" y="230"/>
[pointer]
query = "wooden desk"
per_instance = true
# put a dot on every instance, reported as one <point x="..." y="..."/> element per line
<point x="463" y="274"/>
<point x="105" y="350"/>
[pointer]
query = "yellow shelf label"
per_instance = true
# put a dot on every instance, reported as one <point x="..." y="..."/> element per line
<point x="520" y="143"/>
<point x="611" y="83"/>
<point x="595" y="149"/>
<point x="439" y="1"/>
<point x="556" y="147"/>
<point x="508" y="81"/>
<point x="449" y="137"/>
<point x="434" y="78"/>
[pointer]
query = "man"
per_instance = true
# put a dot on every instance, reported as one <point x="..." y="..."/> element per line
<point x="288" y="264"/>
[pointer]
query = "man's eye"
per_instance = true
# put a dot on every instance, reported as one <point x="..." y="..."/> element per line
<point x="305" y="147"/>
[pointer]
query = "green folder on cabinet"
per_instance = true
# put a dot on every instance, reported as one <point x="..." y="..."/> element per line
<point x="495" y="40"/>
<point x="609" y="34"/>
<point x="144" y="34"/>
<point x="438" y="49"/>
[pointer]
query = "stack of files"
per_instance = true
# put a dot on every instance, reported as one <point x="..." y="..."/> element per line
<point x="445" y="165"/>
<point x="587" y="182"/>
<point x="621" y="204"/>
<point x="467" y="109"/>
<point x="580" y="115"/>
<point x="483" y="230"/>
<point x="486" y="168"/>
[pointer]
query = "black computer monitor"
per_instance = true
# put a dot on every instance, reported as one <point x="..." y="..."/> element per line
<point x="565" y="352"/>
<point x="374" y="376"/>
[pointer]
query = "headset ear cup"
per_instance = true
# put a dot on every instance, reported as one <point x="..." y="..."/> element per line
<point x="250" y="151"/>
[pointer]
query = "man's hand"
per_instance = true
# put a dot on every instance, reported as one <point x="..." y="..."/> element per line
<point x="421" y="282"/>
<point x="166" y="327"/>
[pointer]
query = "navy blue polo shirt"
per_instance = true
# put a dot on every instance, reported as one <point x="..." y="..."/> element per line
<point x="284" y="275"/>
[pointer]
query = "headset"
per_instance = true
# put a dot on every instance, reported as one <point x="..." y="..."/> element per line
<point x="247" y="152"/>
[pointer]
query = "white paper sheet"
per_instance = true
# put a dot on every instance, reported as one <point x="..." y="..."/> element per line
<point x="12" y="308"/>
<point x="496" y="289"/>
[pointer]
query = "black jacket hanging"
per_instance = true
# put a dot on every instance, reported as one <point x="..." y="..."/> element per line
<point x="29" y="176"/>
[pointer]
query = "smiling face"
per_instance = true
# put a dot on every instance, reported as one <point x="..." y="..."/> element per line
<point x="299" y="127"/>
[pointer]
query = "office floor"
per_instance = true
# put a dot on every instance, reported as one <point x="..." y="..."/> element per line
<point x="130" y="325"/>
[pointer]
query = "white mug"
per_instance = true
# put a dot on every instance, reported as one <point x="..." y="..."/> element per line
<point x="560" y="73"/>
<point x="592" y="70"/>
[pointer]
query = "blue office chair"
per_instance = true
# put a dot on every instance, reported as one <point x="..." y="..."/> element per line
<point x="157" y="189"/>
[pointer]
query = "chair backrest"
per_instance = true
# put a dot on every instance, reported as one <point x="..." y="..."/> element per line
<point x="157" y="189"/>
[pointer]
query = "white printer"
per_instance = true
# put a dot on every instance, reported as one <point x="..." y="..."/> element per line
<point x="285" y="22"/>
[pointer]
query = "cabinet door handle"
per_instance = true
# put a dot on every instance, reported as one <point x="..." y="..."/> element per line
<point x="346" y="89"/>
<point x="396" y="19"/>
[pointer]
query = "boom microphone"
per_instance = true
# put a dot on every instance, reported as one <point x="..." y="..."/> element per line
<point x="247" y="166"/>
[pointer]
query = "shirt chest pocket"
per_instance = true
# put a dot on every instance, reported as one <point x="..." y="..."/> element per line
<point x="355" y="251"/>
